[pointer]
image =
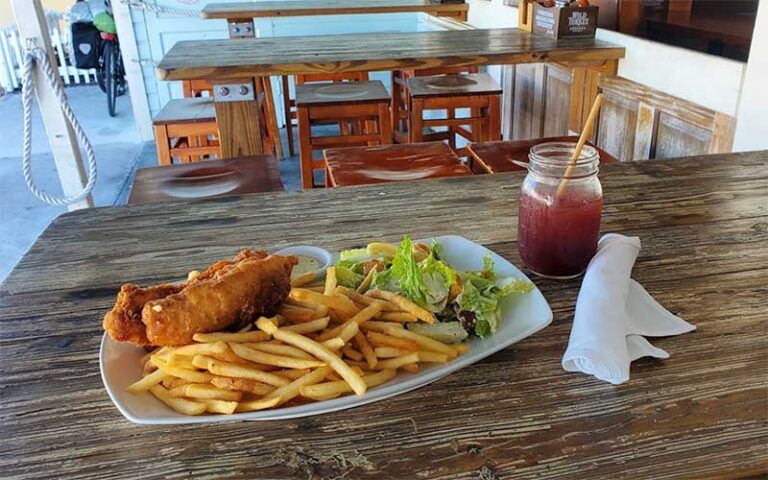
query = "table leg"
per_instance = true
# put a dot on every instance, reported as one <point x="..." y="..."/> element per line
<point x="288" y="116"/>
<point x="238" y="119"/>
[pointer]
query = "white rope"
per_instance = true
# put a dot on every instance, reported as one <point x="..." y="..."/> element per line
<point x="150" y="7"/>
<point x="37" y="55"/>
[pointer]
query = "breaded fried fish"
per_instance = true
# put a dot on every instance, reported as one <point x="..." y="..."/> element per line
<point x="230" y="294"/>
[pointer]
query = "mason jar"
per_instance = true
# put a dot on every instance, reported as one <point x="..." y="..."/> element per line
<point x="560" y="210"/>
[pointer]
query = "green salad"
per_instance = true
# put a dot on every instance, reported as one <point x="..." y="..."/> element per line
<point x="463" y="303"/>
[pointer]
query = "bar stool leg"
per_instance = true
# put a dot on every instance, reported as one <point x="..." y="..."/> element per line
<point x="269" y="104"/>
<point x="163" y="145"/>
<point x="305" y="148"/>
<point x="494" y="122"/>
<point x="416" y="116"/>
<point x="288" y="116"/>
<point x="385" y="125"/>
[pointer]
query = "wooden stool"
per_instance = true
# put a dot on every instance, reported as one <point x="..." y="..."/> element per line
<point x="477" y="92"/>
<point x="215" y="178"/>
<point x="497" y="157"/>
<point x="391" y="163"/>
<point x="263" y="86"/>
<point x="186" y="129"/>
<point x="196" y="88"/>
<point x="363" y="105"/>
<point x="289" y="104"/>
<point x="401" y="98"/>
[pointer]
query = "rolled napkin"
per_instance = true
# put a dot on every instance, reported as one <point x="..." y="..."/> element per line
<point x="614" y="313"/>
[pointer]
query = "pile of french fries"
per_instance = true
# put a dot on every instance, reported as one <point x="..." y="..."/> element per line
<point x="325" y="341"/>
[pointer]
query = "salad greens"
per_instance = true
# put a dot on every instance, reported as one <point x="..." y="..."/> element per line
<point x="468" y="301"/>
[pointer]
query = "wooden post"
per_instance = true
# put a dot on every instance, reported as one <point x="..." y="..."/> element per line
<point x="31" y="22"/>
<point x="133" y="75"/>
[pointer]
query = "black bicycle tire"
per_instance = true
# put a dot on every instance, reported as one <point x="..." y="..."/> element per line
<point x="109" y="78"/>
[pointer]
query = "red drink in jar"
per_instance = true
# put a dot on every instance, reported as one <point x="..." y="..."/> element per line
<point x="558" y="233"/>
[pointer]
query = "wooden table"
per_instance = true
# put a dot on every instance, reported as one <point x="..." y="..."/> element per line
<point x="236" y="60"/>
<point x="500" y="156"/>
<point x="391" y="163"/>
<point x="701" y="414"/>
<point x="245" y="11"/>
<point x="206" y="179"/>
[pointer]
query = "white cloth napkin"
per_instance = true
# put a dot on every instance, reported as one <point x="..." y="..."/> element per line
<point x="614" y="313"/>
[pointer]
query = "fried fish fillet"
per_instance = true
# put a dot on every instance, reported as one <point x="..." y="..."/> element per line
<point x="229" y="294"/>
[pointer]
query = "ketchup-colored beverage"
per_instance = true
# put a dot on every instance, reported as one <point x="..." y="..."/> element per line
<point x="558" y="232"/>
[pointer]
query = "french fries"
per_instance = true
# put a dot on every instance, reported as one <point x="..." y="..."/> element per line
<point x="181" y="405"/>
<point x="330" y="281"/>
<point x="326" y="341"/>
<point x="316" y="349"/>
<point x="404" y="304"/>
<point x="230" y="337"/>
<point x="366" y="283"/>
<point x="265" y="358"/>
<point x="331" y="389"/>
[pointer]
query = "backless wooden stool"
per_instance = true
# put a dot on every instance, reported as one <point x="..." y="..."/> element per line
<point x="509" y="155"/>
<point x="401" y="98"/>
<point x="186" y="129"/>
<point x="289" y="104"/>
<point x="363" y="105"/>
<point x="478" y="92"/>
<point x="391" y="163"/>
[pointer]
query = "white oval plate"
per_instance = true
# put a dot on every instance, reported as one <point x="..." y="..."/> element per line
<point x="521" y="317"/>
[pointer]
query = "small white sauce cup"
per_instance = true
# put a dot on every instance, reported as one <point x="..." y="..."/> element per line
<point x="320" y="254"/>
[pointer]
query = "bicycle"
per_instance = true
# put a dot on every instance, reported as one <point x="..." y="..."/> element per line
<point x="110" y="74"/>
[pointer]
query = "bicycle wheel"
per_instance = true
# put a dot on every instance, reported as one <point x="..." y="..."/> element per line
<point x="110" y="76"/>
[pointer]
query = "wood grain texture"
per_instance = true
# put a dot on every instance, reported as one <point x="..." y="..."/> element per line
<point x="231" y="176"/>
<point x="414" y="161"/>
<point x="638" y="122"/>
<point x="245" y="10"/>
<point x="701" y="414"/>
<point x="224" y="59"/>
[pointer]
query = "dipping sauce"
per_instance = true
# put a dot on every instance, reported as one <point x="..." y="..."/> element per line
<point x="306" y="264"/>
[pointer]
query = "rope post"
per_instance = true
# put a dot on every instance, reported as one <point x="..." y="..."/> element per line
<point x="33" y="30"/>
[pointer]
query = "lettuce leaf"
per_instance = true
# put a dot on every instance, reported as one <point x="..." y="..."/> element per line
<point x="405" y="270"/>
<point x="347" y="277"/>
<point x="438" y="278"/>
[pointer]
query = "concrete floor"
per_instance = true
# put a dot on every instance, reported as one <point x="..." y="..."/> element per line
<point x="118" y="153"/>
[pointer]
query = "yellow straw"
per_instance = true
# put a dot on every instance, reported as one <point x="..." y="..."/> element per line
<point x="585" y="133"/>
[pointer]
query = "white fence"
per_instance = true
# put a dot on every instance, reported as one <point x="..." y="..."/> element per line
<point x="11" y="55"/>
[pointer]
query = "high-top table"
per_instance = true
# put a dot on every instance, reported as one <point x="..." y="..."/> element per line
<point x="231" y="64"/>
<point x="236" y="12"/>
<point x="703" y="413"/>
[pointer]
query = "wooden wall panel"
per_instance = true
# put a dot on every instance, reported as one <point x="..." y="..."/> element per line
<point x="557" y="100"/>
<point x="616" y="130"/>
<point x="677" y="138"/>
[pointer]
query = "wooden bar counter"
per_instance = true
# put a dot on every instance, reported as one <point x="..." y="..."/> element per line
<point x="700" y="414"/>
<point x="297" y="8"/>
<point x="238" y="58"/>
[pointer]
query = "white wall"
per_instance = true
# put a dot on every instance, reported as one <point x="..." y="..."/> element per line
<point x="752" y="124"/>
<point x="728" y="86"/>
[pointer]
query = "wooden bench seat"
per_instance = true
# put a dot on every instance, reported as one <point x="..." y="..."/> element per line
<point x="212" y="178"/>
<point x="391" y="163"/>
<point x="498" y="157"/>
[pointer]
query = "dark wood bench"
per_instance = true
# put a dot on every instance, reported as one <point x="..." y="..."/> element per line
<point x="207" y="179"/>
<point x="497" y="157"/>
<point x="391" y="163"/>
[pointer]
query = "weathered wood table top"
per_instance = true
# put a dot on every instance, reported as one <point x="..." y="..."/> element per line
<point x="247" y="10"/>
<point x="238" y="58"/>
<point x="700" y="414"/>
